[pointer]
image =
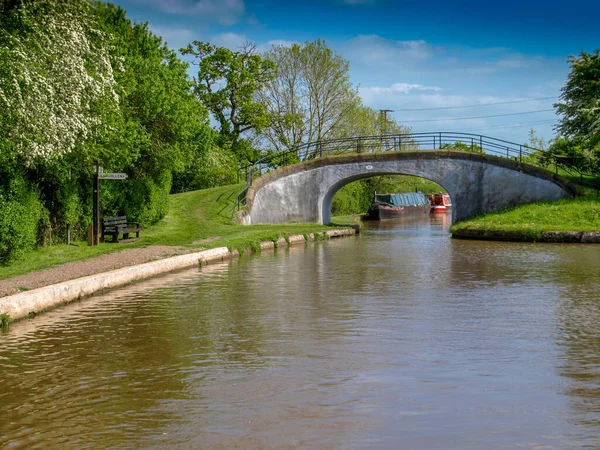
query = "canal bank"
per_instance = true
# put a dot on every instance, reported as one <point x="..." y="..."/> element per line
<point x="575" y="220"/>
<point x="571" y="237"/>
<point x="32" y="302"/>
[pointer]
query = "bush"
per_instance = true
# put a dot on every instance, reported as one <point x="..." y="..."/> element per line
<point x="146" y="200"/>
<point x="349" y="200"/>
<point x="215" y="167"/>
<point x="20" y="215"/>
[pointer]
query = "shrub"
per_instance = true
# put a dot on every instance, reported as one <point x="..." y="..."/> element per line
<point x="20" y="215"/>
<point x="147" y="200"/>
<point x="215" y="167"/>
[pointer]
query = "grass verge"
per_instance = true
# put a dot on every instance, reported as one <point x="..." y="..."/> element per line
<point x="344" y="221"/>
<point x="197" y="220"/>
<point x="581" y="214"/>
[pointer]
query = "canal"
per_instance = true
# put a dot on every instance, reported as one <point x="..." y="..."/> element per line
<point x="399" y="338"/>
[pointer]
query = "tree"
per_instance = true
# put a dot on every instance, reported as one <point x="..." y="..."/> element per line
<point x="227" y="82"/>
<point x="580" y="106"/>
<point x="56" y="78"/>
<point x="309" y="96"/>
<point x="579" y="127"/>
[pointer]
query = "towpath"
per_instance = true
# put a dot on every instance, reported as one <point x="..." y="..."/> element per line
<point x="90" y="266"/>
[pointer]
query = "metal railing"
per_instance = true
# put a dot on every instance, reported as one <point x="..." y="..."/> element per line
<point x="440" y="140"/>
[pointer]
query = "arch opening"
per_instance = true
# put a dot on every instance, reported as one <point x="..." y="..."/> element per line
<point x="341" y="201"/>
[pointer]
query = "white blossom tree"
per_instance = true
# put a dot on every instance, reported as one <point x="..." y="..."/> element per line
<point x="56" y="80"/>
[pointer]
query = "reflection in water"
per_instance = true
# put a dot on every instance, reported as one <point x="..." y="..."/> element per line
<point x="401" y="337"/>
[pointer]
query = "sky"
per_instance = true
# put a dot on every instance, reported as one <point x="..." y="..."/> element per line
<point x="478" y="66"/>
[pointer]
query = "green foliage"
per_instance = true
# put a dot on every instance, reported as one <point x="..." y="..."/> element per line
<point x="536" y="152"/>
<point x="579" y="127"/>
<point x="20" y="214"/>
<point x="56" y="79"/>
<point x="351" y="199"/>
<point x="210" y="169"/>
<point x="160" y="122"/>
<point x="581" y="154"/>
<point x="4" y="320"/>
<point x="227" y="82"/>
<point x="462" y="147"/>
<point x="580" y="106"/>
<point x="147" y="200"/>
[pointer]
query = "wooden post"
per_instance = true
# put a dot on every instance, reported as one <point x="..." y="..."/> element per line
<point x="96" y="207"/>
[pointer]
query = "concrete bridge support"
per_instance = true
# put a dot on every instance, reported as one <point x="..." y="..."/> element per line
<point x="476" y="183"/>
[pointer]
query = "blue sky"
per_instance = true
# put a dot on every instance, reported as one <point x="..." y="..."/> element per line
<point x="431" y="61"/>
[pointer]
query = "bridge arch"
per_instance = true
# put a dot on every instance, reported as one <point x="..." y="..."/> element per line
<point x="477" y="183"/>
<point x="368" y="173"/>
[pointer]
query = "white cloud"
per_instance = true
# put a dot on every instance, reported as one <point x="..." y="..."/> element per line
<point x="225" y="12"/>
<point x="373" y="49"/>
<point x="450" y="105"/>
<point x="274" y="43"/>
<point x="176" y="38"/>
<point x="232" y="41"/>
<point x="383" y="59"/>
<point x="518" y="61"/>
<point x="404" y="88"/>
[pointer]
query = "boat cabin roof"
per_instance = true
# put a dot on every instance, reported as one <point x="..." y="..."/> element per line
<point x="402" y="199"/>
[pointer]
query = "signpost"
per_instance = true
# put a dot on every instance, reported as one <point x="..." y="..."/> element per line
<point x="100" y="175"/>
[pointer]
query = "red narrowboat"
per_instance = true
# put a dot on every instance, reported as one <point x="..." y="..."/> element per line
<point x="440" y="203"/>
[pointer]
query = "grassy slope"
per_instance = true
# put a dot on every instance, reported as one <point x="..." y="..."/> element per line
<point x="193" y="216"/>
<point x="577" y="214"/>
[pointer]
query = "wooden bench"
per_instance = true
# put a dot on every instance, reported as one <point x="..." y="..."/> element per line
<point x="116" y="226"/>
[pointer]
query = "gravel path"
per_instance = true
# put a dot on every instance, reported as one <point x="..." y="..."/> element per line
<point x="91" y="266"/>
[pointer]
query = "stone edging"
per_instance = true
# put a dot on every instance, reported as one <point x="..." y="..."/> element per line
<point x="21" y="305"/>
<point x="590" y="237"/>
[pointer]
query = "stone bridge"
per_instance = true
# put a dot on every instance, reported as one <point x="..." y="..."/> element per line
<point x="477" y="183"/>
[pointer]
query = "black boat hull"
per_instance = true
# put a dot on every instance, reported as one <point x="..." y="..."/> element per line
<point x="383" y="212"/>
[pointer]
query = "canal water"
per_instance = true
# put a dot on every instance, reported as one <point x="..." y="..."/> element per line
<point x="399" y="338"/>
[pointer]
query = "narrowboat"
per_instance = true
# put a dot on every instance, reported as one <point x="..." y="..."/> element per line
<point x="392" y="206"/>
<point x="440" y="203"/>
